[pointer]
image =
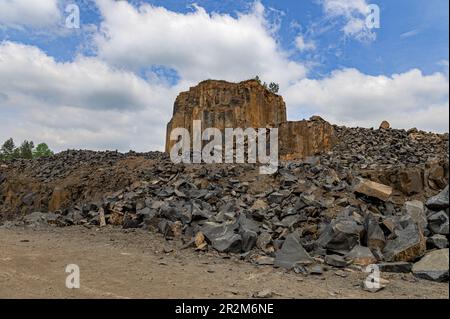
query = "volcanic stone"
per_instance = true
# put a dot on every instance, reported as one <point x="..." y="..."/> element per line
<point x="373" y="189"/>
<point x="341" y="235"/>
<point x="396" y="267"/>
<point x="434" y="266"/>
<point x="292" y="253"/>
<point x="438" y="202"/>
<point x="438" y="223"/>
<point x="361" y="255"/>
<point x="336" y="261"/>
<point x="437" y="241"/>
<point x="408" y="246"/>
<point x="416" y="210"/>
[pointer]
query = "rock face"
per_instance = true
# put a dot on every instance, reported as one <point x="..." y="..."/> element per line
<point x="303" y="138"/>
<point x="248" y="104"/>
<point x="434" y="266"/>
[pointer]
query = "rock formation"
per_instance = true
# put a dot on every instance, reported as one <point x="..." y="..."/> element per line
<point x="248" y="104"/>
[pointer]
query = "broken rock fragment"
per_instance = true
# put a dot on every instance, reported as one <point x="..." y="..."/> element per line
<point x="408" y="246"/>
<point x="438" y="223"/>
<point x="434" y="266"/>
<point x="361" y="255"/>
<point x="341" y="235"/>
<point x="373" y="189"/>
<point x="438" y="202"/>
<point x="416" y="210"/>
<point x="292" y="253"/>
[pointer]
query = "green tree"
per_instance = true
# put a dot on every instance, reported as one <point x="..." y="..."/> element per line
<point x="26" y="149"/>
<point x="8" y="150"/>
<point x="42" y="150"/>
<point x="274" y="87"/>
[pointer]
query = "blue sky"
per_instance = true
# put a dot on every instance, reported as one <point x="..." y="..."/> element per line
<point x="413" y="33"/>
<point x="325" y="60"/>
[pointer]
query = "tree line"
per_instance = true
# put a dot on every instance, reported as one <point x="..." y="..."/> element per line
<point x="26" y="150"/>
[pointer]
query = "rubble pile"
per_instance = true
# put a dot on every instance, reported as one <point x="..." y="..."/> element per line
<point x="312" y="212"/>
<point x="342" y="197"/>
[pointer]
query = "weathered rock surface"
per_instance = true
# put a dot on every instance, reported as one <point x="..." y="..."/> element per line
<point x="248" y="104"/>
<point x="222" y="104"/>
<point x="292" y="253"/>
<point x="409" y="245"/>
<point x="434" y="266"/>
<point x="299" y="139"/>
<point x="373" y="189"/>
<point x="440" y="201"/>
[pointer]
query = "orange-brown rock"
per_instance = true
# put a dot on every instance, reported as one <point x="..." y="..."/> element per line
<point x="222" y="104"/>
<point x="298" y="139"/>
<point x="248" y="104"/>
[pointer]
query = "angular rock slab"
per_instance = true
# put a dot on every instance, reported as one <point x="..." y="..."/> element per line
<point x="408" y="246"/>
<point x="438" y="202"/>
<point x="373" y="189"/>
<point x="292" y="253"/>
<point x="416" y="210"/>
<point x="223" y="237"/>
<point x="434" y="266"/>
<point x="438" y="223"/>
<point x="395" y="267"/>
<point x="361" y="255"/>
<point x="341" y="235"/>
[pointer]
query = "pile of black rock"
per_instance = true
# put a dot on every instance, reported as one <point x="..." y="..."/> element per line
<point x="319" y="212"/>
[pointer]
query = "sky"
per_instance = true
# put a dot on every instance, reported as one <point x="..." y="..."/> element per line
<point x="110" y="81"/>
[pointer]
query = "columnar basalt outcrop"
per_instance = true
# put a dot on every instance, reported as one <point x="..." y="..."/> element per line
<point x="304" y="138"/>
<point x="248" y="104"/>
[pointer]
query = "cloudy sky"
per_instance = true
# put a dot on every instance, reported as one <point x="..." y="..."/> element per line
<point x="111" y="83"/>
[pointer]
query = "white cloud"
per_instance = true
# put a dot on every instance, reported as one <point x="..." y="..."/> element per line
<point x="100" y="102"/>
<point x="18" y="14"/>
<point x="198" y="45"/>
<point x="353" y="13"/>
<point x="303" y="45"/>
<point x="409" y="34"/>
<point x="351" y="98"/>
<point x="85" y="103"/>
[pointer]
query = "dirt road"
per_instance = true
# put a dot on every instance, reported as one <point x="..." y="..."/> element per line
<point x="118" y="264"/>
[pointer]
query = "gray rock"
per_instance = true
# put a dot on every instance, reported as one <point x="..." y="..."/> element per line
<point x="316" y="270"/>
<point x="438" y="223"/>
<point x="341" y="235"/>
<point x="336" y="261"/>
<point x="276" y="198"/>
<point x="408" y="246"/>
<point x="416" y="210"/>
<point x="35" y="218"/>
<point x="228" y="243"/>
<point x="264" y="242"/>
<point x="292" y="253"/>
<point x="375" y="235"/>
<point x="361" y="255"/>
<point x="28" y="199"/>
<point x="437" y="241"/>
<point x="223" y="236"/>
<point x="434" y="266"/>
<point x="438" y="202"/>
<point x="396" y="267"/>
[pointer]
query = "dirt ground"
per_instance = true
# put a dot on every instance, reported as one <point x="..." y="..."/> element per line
<point x="135" y="264"/>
